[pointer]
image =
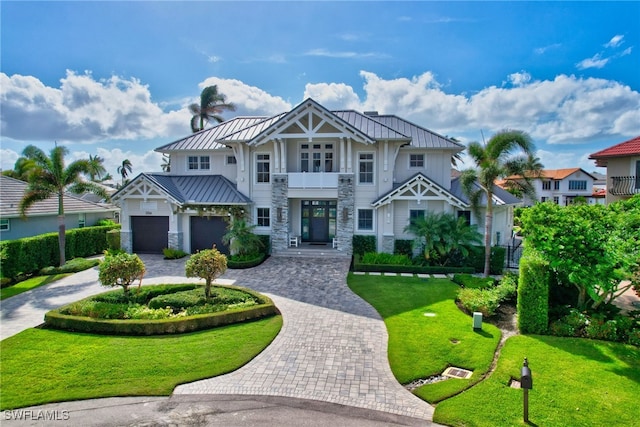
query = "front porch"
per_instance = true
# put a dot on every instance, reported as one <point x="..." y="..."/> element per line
<point x="312" y="250"/>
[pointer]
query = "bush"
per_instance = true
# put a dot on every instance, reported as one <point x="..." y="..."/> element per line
<point x="105" y="222"/>
<point x="137" y="311"/>
<point x="73" y="266"/>
<point x="179" y="300"/>
<point x="484" y="301"/>
<point x="416" y="269"/>
<point x="473" y="282"/>
<point x="476" y="259"/>
<point x="533" y="293"/>
<point x="266" y="243"/>
<point x="171" y="253"/>
<point x="600" y="328"/>
<point x="113" y="239"/>
<point x="385" y="258"/>
<point x="403" y="247"/>
<point x="570" y="325"/>
<point x="245" y="261"/>
<point x="208" y="265"/>
<point x="364" y="244"/>
<point x="121" y="270"/>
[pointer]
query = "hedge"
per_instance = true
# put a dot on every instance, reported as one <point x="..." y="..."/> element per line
<point x="364" y="244"/>
<point x="533" y="293"/>
<point x="178" y="325"/>
<point x="496" y="266"/>
<point x="415" y="269"/>
<point x="30" y="254"/>
<point x="239" y="265"/>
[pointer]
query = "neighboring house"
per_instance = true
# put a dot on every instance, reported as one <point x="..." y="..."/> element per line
<point x="307" y="176"/>
<point x="623" y="169"/>
<point x="560" y="186"/>
<point x="42" y="217"/>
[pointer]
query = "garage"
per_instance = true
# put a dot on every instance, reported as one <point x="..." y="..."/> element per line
<point x="207" y="231"/>
<point x="150" y="234"/>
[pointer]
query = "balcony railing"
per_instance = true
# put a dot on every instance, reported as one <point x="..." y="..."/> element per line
<point x="313" y="180"/>
<point x="625" y="185"/>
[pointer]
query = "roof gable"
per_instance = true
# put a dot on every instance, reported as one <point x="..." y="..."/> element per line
<point x="419" y="188"/>
<point x="623" y="149"/>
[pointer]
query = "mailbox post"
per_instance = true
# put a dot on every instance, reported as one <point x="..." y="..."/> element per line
<point x="526" y="383"/>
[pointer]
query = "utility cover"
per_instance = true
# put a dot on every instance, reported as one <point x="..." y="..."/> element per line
<point x="454" y="372"/>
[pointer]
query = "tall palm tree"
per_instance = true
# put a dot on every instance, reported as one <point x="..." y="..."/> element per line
<point x="212" y="103"/>
<point x="166" y="163"/>
<point x="507" y="153"/>
<point x="125" y="169"/>
<point x="96" y="168"/>
<point x="50" y="177"/>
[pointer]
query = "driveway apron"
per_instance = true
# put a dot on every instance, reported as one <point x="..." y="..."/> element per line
<point x="332" y="346"/>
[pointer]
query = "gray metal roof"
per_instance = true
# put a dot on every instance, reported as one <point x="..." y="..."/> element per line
<point x="207" y="139"/>
<point x="420" y="137"/>
<point x="250" y="132"/>
<point x="201" y="190"/>
<point x="502" y="195"/>
<point x="370" y="126"/>
<point x="12" y="191"/>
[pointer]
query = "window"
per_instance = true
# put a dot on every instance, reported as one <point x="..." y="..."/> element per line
<point x="556" y="200"/>
<point x="82" y="220"/>
<point x="556" y="185"/>
<point x="262" y="168"/>
<point x="365" y="219"/>
<point x="263" y="217"/>
<point x="577" y="185"/>
<point x="544" y="199"/>
<point x="304" y="162"/>
<point x="416" y="160"/>
<point x="316" y="158"/>
<point x="198" y="162"/>
<point x="5" y="225"/>
<point x="415" y="214"/>
<point x="466" y="215"/>
<point x="365" y="167"/>
<point x="231" y="160"/>
<point x="546" y="185"/>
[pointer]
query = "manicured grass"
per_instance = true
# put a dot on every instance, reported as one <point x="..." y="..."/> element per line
<point x="576" y="382"/>
<point x="29" y="284"/>
<point x="421" y="346"/>
<point x="41" y="366"/>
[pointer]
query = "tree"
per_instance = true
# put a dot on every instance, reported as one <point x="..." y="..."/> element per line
<point x="594" y="248"/>
<point x="427" y="231"/>
<point x="212" y="103"/>
<point x="207" y="264"/>
<point x="460" y="237"/>
<point x="125" y="169"/>
<point x="121" y="269"/>
<point x="50" y="177"/>
<point x="21" y="169"/>
<point x="166" y="163"/>
<point x="241" y="239"/>
<point x="96" y="168"/>
<point x="497" y="159"/>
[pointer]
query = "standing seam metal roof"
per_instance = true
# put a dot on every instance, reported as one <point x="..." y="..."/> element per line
<point x="200" y="189"/>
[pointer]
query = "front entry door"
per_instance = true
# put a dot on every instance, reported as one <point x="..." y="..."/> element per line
<point x="318" y="220"/>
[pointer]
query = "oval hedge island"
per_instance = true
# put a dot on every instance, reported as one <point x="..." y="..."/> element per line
<point x="161" y="309"/>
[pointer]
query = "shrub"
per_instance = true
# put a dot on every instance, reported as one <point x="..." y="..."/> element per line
<point x="245" y="261"/>
<point x="208" y="265"/>
<point x="403" y="247"/>
<point x="137" y="311"/>
<point x="171" y="253"/>
<point x="105" y="222"/>
<point x="484" y="301"/>
<point x="385" y="258"/>
<point x="363" y="244"/>
<point x="475" y="259"/>
<point x="73" y="266"/>
<point x="96" y="309"/>
<point x="113" y="239"/>
<point x="570" y="325"/>
<point x="508" y="287"/>
<point x="121" y="270"/>
<point x="473" y="282"/>
<point x="602" y="329"/>
<point x="179" y="300"/>
<point x="266" y="243"/>
<point x="533" y="293"/>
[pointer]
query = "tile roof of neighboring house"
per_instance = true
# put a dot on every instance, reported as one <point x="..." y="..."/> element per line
<point x="195" y="189"/>
<point x="374" y="126"/>
<point x="12" y="191"/>
<point x="550" y="174"/>
<point x="623" y="149"/>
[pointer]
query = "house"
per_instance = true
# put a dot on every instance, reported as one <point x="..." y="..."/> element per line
<point x="308" y="176"/>
<point x="42" y="217"/>
<point x="623" y="169"/>
<point x="561" y="186"/>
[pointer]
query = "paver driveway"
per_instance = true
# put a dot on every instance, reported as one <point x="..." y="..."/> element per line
<point x="332" y="347"/>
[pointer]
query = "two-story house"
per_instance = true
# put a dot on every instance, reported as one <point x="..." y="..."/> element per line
<point x="623" y="169"/>
<point x="560" y="186"/>
<point x="309" y="176"/>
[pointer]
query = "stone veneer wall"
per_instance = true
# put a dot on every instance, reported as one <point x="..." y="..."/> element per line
<point x="176" y="240"/>
<point x="388" y="244"/>
<point x="126" y="241"/>
<point x="279" y="212"/>
<point x="345" y="214"/>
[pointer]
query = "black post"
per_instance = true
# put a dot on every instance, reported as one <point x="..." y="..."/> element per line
<point x="526" y="382"/>
<point x="526" y="405"/>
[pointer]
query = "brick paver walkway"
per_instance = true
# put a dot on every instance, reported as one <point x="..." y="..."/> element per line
<point x="332" y="347"/>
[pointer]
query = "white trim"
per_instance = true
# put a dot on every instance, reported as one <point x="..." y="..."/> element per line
<point x="262" y="227"/>
<point x="255" y="168"/>
<point x="416" y="167"/>
<point x="373" y="219"/>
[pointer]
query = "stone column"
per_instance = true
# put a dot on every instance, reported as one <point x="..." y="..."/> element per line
<point x="176" y="240"/>
<point x="126" y="241"/>
<point x="279" y="212"/>
<point x="388" y="243"/>
<point x="345" y="214"/>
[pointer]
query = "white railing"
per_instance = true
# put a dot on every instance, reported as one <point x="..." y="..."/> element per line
<point x="313" y="180"/>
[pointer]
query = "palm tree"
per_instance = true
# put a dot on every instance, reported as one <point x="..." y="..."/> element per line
<point x="460" y="237"/>
<point x="241" y="239"/>
<point x="497" y="159"/>
<point x="428" y="231"/>
<point x="212" y="103"/>
<point x="96" y="168"/>
<point x="166" y="163"/>
<point x="50" y="177"/>
<point x="21" y="169"/>
<point x="125" y="169"/>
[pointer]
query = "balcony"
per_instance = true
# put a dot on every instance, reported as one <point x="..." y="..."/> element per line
<point x="313" y="180"/>
<point x="625" y="185"/>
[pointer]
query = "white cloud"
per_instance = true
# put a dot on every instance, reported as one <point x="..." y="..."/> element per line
<point x="615" y="41"/>
<point x="249" y="100"/>
<point x="333" y="95"/>
<point x="8" y="159"/>
<point x="542" y="50"/>
<point x="519" y="79"/>
<point x="596" y="61"/>
<point x="149" y="161"/>
<point x="344" y="54"/>
<point x="83" y="109"/>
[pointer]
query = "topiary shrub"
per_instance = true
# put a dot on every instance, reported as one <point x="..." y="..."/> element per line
<point x="364" y="244"/>
<point x="533" y="293"/>
<point x="121" y="270"/>
<point x="208" y="265"/>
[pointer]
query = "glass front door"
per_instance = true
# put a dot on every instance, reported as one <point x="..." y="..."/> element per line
<point x="318" y="220"/>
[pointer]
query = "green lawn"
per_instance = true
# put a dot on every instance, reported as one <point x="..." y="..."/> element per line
<point x="29" y="284"/>
<point x="576" y="382"/>
<point x="421" y="346"/>
<point x="41" y="366"/>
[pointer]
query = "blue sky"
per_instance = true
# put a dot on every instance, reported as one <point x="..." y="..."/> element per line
<point x="115" y="78"/>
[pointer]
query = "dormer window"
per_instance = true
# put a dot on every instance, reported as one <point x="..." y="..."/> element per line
<point x="198" y="162"/>
<point x="416" y="161"/>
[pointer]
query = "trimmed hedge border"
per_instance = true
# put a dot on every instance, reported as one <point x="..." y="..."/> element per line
<point x="54" y="319"/>
<point x="240" y="265"/>
<point x="416" y="269"/>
